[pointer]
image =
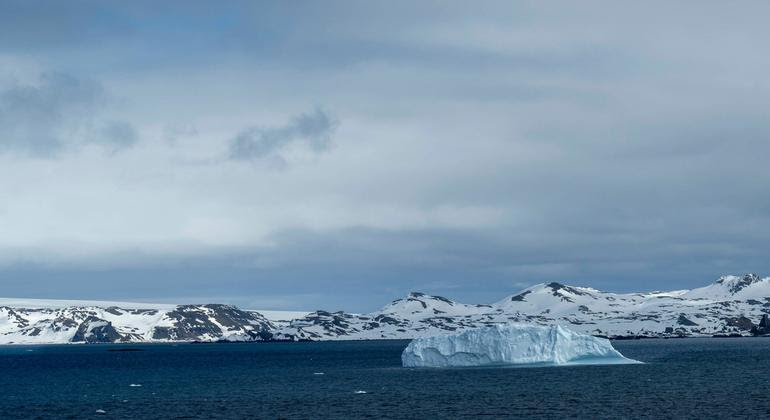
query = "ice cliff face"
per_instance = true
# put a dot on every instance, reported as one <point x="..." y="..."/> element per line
<point x="511" y="344"/>
<point x="731" y="305"/>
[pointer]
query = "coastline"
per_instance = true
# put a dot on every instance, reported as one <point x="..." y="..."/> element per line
<point x="257" y="342"/>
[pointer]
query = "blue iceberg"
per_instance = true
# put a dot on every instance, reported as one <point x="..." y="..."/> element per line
<point x="511" y="344"/>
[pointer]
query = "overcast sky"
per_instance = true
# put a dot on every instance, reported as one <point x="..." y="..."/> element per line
<point x="337" y="155"/>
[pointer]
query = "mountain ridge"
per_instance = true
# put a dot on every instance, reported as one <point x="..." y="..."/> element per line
<point x="729" y="306"/>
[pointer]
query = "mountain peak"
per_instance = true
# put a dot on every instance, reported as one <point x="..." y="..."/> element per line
<point x="736" y="284"/>
<point x="559" y="290"/>
<point x="423" y="296"/>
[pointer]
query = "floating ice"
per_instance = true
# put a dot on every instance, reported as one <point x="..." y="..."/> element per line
<point x="135" y="385"/>
<point x="511" y="344"/>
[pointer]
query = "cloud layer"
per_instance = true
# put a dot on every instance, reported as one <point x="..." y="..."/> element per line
<point x="459" y="149"/>
<point x="56" y="113"/>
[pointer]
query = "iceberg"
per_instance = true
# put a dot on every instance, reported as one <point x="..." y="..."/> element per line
<point x="511" y="344"/>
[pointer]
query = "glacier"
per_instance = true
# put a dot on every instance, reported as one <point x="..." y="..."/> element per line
<point x="511" y="344"/>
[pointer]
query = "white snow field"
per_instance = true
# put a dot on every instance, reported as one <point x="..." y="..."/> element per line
<point x="511" y="344"/>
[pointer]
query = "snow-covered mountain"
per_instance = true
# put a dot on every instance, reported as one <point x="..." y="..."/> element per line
<point x="39" y="324"/>
<point x="730" y="306"/>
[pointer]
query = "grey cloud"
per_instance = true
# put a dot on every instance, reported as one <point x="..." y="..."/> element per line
<point x="314" y="129"/>
<point x="118" y="135"/>
<point x="57" y="113"/>
<point x="33" y="117"/>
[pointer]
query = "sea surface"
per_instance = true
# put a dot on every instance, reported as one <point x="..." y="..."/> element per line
<point x="688" y="378"/>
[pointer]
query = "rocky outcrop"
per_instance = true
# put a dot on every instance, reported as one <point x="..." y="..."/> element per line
<point x="763" y="328"/>
<point x="95" y="330"/>
<point x="740" y="284"/>
<point x="213" y="322"/>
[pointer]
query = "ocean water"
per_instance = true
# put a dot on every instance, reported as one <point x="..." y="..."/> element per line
<point x="687" y="378"/>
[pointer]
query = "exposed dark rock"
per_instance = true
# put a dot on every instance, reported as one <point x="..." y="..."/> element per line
<point x="424" y="305"/>
<point x="741" y="322"/>
<point x="746" y="281"/>
<point x="682" y="320"/>
<point x="15" y="316"/>
<point x="520" y="296"/>
<point x="144" y="311"/>
<point x="194" y="322"/>
<point x="35" y="331"/>
<point x="556" y="287"/>
<point x="384" y="319"/>
<point x="763" y="328"/>
<point x="96" y="330"/>
<point x="764" y="322"/>
<point x="443" y="299"/>
<point x="61" y="323"/>
<point x="114" y="310"/>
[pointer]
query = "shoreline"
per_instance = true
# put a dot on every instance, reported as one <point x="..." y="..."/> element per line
<point x="175" y="343"/>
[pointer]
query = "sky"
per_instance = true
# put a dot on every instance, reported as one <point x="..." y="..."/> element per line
<point x="340" y="154"/>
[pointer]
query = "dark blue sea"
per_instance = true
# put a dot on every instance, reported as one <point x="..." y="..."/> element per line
<point x="682" y="378"/>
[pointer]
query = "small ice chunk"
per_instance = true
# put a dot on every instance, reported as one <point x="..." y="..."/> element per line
<point x="360" y="392"/>
<point x="100" y="411"/>
<point x="511" y="344"/>
<point x="135" y="385"/>
<point x="318" y="373"/>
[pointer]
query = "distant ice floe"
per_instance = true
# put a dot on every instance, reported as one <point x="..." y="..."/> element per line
<point x="511" y="344"/>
